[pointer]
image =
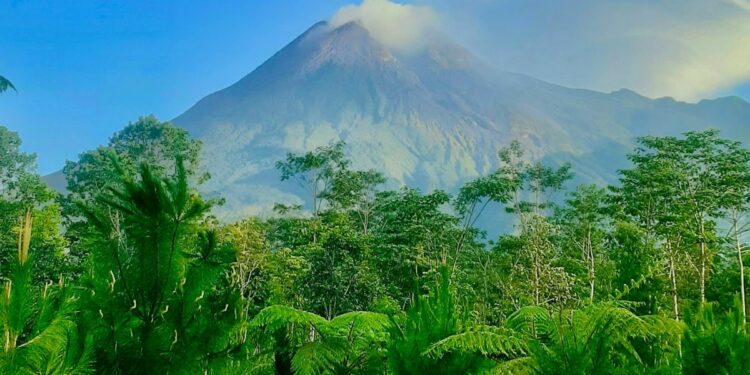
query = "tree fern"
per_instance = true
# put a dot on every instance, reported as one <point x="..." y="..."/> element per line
<point x="492" y="342"/>
<point x="350" y="343"/>
<point x="598" y="339"/>
<point x="416" y="345"/>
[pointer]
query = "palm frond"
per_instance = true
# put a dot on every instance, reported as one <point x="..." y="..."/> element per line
<point x="6" y="85"/>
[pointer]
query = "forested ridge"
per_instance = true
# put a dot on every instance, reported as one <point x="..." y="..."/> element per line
<point x="128" y="272"/>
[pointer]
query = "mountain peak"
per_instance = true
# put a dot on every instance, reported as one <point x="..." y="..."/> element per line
<point x="431" y="117"/>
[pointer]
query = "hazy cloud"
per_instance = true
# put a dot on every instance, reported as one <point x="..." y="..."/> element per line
<point x="688" y="49"/>
<point x="395" y="25"/>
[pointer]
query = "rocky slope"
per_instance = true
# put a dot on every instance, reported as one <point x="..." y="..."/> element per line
<point x="431" y="118"/>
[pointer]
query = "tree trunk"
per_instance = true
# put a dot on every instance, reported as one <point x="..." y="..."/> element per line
<point x="703" y="261"/>
<point x="738" y="244"/>
<point x="592" y="267"/>
<point x="673" y="279"/>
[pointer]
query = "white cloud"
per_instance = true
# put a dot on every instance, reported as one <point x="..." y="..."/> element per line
<point x="395" y="25"/>
<point x="687" y="49"/>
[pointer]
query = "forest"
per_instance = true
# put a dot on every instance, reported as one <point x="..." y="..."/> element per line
<point x="128" y="272"/>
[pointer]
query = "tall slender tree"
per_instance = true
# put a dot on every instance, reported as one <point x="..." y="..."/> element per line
<point x="315" y="171"/>
<point x="582" y="221"/>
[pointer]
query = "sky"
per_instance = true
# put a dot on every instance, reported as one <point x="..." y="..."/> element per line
<point x="85" y="68"/>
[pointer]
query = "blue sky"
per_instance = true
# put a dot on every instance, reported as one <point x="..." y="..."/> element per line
<point x="85" y="68"/>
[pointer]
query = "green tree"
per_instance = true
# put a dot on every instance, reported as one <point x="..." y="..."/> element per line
<point x="340" y="278"/>
<point x="146" y="141"/>
<point x="677" y="189"/>
<point x="40" y="334"/>
<point x="315" y="172"/>
<point x="583" y="221"/>
<point x="157" y="297"/>
<point x="734" y="169"/>
<point x="351" y="343"/>
<point x="715" y="343"/>
<point x="355" y="191"/>
<point x="532" y="189"/>
<point x="21" y="188"/>
<point x="417" y="343"/>
<point x="648" y="196"/>
<point x="412" y="237"/>
<point x="251" y="272"/>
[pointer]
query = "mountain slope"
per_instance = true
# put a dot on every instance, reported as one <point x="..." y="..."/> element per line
<point x="432" y="118"/>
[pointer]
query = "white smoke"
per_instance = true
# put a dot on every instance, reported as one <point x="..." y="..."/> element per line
<point x="400" y="26"/>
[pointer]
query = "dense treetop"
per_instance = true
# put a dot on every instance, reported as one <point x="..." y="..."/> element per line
<point x="128" y="272"/>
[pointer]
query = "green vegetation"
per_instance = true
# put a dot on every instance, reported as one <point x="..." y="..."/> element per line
<point x="129" y="273"/>
<point x="6" y="85"/>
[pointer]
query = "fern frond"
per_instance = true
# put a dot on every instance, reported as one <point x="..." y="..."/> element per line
<point x="279" y="316"/>
<point x="316" y="358"/>
<point x="531" y="320"/>
<point x="514" y="366"/>
<point x="361" y="321"/>
<point x="489" y="341"/>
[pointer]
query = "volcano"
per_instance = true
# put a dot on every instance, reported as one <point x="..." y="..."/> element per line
<point x="431" y="117"/>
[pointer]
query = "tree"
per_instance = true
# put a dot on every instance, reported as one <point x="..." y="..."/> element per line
<point x="677" y="189"/>
<point x="147" y="140"/>
<point x="734" y="169"/>
<point x="530" y="188"/>
<point x="582" y="221"/>
<point x="355" y="191"/>
<point x="475" y="196"/>
<point x="157" y="295"/>
<point x="21" y="188"/>
<point x="598" y="339"/>
<point x="648" y="195"/>
<point x="315" y="171"/>
<point x="351" y="343"/>
<point x="40" y="334"/>
<point x="250" y="273"/>
<point x="340" y="278"/>
<point x="417" y="345"/>
<point x="715" y="343"/>
<point x="412" y="236"/>
<point x="537" y="263"/>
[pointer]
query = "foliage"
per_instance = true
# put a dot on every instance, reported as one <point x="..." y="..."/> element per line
<point x="349" y="343"/>
<point x="427" y="339"/>
<point x="158" y="299"/>
<point x="598" y="339"/>
<point x="20" y="189"/>
<point x="315" y="171"/>
<point x="715" y="342"/>
<point x="6" y="85"/>
<point x="158" y="144"/>
<point x="40" y="334"/>
<point x="371" y="280"/>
